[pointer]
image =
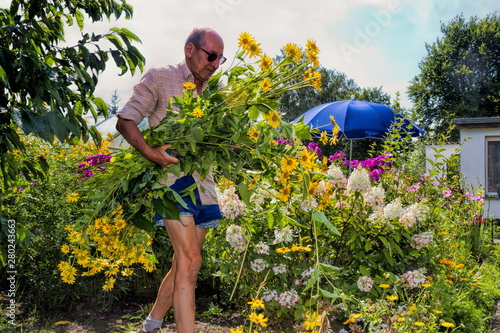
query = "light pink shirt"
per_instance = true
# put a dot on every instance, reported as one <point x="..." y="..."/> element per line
<point x="150" y="99"/>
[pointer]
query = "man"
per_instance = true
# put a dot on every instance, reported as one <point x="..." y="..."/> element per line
<point x="203" y="53"/>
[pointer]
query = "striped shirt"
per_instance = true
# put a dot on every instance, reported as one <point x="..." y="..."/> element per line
<point x="149" y="100"/>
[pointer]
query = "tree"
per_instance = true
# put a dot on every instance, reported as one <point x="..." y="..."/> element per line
<point x="114" y="106"/>
<point x="47" y="85"/>
<point x="460" y="76"/>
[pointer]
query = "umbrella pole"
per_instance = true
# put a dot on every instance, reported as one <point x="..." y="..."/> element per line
<point x="350" y="156"/>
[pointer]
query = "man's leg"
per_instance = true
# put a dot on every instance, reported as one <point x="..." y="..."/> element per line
<point x="187" y="241"/>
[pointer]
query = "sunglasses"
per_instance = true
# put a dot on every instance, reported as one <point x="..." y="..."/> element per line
<point x="212" y="56"/>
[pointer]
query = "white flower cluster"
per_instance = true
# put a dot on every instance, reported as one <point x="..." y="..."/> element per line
<point x="414" y="279"/>
<point x="258" y="265"/>
<point x="284" y="235"/>
<point x="421" y="240"/>
<point x="287" y="298"/>
<point x="375" y="197"/>
<point x="261" y="192"/>
<point x="365" y="283"/>
<point x="308" y="204"/>
<point x="279" y="269"/>
<point x="262" y="248"/>
<point x="230" y="204"/>
<point x="413" y="213"/>
<point x="235" y="238"/>
<point x="336" y="173"/>
<point x="393" y="210"/>
<point x="359" y="180"/>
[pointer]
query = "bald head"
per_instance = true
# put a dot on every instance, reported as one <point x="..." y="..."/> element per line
<point x="198" y="35"/>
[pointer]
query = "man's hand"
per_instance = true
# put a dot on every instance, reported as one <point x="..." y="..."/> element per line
<point x="156" y="154"/>
<point x="159" y="155"/>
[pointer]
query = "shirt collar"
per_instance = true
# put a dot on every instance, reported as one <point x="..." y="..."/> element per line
<point x="188" y="76"/>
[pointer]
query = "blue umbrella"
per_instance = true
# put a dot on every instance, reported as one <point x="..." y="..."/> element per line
<point x="357" y="119"/>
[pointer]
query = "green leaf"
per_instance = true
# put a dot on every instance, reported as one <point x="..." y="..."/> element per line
<point x="166" y="208"/>
<point x="319" y="216"/>
<point x="253" y="113"/>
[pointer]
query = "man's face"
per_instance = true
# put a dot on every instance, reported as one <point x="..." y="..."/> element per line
<point x="198" y="63"/>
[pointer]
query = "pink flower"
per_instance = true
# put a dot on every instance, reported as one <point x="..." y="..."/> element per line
<point x="447" y="193"/>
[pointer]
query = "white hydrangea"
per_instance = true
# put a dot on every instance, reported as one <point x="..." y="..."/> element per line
<point x="258" y="265"/>
<point x="288" y="298"/>
<point x="359" y="180"/>
<point x="269" y="295"/>
<point x="308" y="204"/>
<point x="375" y="197"/>
<point x="421" y="240"/>
<point x="365" y="283"/>
<point x="230" y="204"/>
<point x="283" y="235"/>
<point x="393" y="210"/>
<point x="336" y="173"/>
<point x="415" y="278"/>
<point x="235" y="238"/>
<point x="262" y="248"/>
<point x="279" y="269"/>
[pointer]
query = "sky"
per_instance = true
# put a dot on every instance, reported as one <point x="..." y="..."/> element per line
<point x="377" y="43"/>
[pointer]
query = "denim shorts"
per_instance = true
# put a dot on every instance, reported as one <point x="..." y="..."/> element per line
<point x="205" y="216"/>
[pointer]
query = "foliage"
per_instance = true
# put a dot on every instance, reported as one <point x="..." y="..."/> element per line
<point x="48" y="83"/>
<point x="230" y="128"/>
<point x="459" y="75"/>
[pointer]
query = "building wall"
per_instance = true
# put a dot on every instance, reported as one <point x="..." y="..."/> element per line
<point x="473" y="163"/>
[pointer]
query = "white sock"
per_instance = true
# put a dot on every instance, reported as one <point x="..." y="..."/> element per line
<point x="151" y="323"/>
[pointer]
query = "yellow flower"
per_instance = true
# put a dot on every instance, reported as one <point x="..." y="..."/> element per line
<point x="254" y="50"/>
<point x="72" y="197"/>
<point x="459" y="266"/>
<point x="265" y="62"/>
<point x="273" y="118"/>
<point x="254" y="134"/>
<point x="189" y="85"/>
<point x="283" y="250"/>
<point x="324" y="138"/>
<point x="288" y="164"/>
<point x="62" y="322"/>
<point x="284" y="193"/>
<point x="65" y="248"/>
<point x="447" y="324"/>
<point x="257" y="303"/>
<point x="109" y="284"/>
<point x="237" y="330"/>
<point x="437" y="311"/>
<point x="312" y="47"/>
<point x="392" y="298"/>
<point x="284" y="177"/>
<point x="67" y="271"/>
<point x="384" y="286"/>
<point x="258" y="319"/>
<point x="401" y="319"/>
<point x="426" y="285"/>
<point x="312" y="321"/>
<point x="197" y="112"/>
<point x="419" y="323"/>
<point x="244" y="40"/>
<point x="353" y="318"/>
<point x="293" y="51"/>
<point x="266" y="84"/>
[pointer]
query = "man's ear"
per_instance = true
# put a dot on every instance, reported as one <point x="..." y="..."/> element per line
<point x="189" y="49"/>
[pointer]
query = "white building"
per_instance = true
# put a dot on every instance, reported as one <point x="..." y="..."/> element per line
<point x="480" y="158"/>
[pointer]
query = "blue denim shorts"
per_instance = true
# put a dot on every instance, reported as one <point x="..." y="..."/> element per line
<point x="205" y="216"/>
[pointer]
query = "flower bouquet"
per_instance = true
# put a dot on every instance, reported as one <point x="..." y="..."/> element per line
<point x="231" y="129"/>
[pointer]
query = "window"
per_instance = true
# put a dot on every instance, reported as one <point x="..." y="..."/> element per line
<point x="493" y="165"/>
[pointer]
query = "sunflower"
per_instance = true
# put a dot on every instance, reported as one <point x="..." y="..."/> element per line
<point x="284" y="193"/>
<point x="265" y="62"/>
<point x="245" y="40"/>
<point x="254" y="50"/>
<point x="197" y="112"/>
<point x="293" y="51"/>
<point x="266" y="84"/>
<point x="254" y="134"/>
<point x="273" y="118"/>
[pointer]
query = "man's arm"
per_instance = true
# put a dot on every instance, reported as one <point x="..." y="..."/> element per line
<point x="132" y="134"/>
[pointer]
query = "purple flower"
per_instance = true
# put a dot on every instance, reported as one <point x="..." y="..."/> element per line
<point x="88" y="173"/>
<point x="314" y="147"/>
